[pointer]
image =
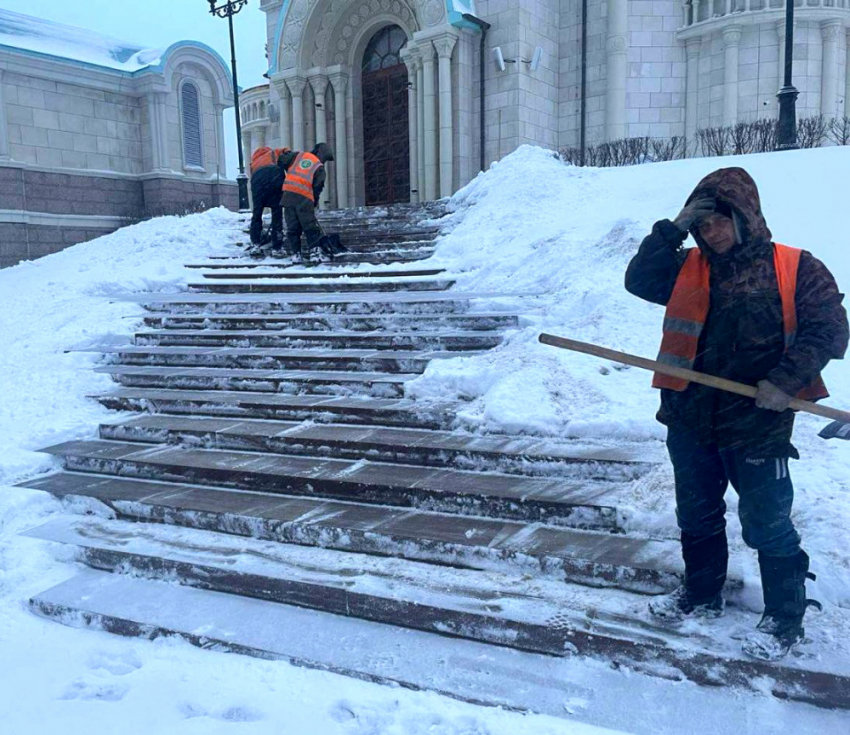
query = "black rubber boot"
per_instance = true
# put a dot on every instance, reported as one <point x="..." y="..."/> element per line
<point x="706" y="559"/>
<point x="783" y="580"/>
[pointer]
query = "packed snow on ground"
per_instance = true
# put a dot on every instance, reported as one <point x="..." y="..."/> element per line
<point x="59" y="679"/>
<point x="560" y="238"/>
<point x="44" y="36"/>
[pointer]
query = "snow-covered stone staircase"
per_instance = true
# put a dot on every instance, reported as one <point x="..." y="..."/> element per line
<point x="278" y="495"/>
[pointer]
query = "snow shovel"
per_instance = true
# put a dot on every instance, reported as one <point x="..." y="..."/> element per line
<point x="839" y="428"/>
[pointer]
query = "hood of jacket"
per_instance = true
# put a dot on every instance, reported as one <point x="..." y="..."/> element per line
<point x="323" y="152"/>
<point x="735" y="189"/>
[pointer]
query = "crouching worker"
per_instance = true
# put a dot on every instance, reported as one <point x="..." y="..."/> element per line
<point x="742" y="307"/>
<point x="267" y="175"/>
<point x="305" y="181"/>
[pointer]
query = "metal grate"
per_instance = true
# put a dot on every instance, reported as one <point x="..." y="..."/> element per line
<point x="192" y="146"/>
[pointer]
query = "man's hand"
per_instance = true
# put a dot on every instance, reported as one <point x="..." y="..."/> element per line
<point x="698" y="208"/>
<point x="770" y="397"/>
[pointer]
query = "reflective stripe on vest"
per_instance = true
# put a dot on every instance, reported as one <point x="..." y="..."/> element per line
<point x="300" y="175"/>
<point x="687" y="311"/>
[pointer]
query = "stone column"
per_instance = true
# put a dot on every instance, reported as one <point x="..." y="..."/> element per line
<point x="320" y="86"/>
<point x="296" y="89"/>
<point x="617" y="67"/>
<point x="4" y="129"/>
<point x="692" y="50"/>
<point x="847" y="80"/>
<point x="829" y="72"/>
<point x="219" y="140"/>
<point x="731" y="42"/>
<point x="159" y="131"/>
<point x="420" y="143"/>
<point x="686" y="9"/>
<point x="410" y="56"/>
<point x="310" y="139"/>
<point x="445" y="46"/>
<point x="431" y="152"/>
<point x="339" y="83"/>
<point x="285" y="115"/>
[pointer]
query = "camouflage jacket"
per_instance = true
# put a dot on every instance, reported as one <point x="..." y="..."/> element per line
<point x="743" y="338"/>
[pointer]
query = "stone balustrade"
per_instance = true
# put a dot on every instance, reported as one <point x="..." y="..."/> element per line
<point x="698" y="12"/>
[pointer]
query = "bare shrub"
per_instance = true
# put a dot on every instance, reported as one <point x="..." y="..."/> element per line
<point x="766" y="134"/>
<point x="839" y="130"/>
<point x="715" y="141"/>
<point x="669" y="149"/>
<point x="811" y="131"/>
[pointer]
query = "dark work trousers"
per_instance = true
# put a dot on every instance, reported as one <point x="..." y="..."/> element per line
<point x="266" y="184"/>
<point x="765" y="495"/>
<point x="301" y="218"/>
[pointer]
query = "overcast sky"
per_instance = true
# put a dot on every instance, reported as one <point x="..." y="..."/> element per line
<point x="158" y="24"/>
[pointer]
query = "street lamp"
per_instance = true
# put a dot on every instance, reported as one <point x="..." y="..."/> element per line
<point x="788" y="94"/>
<point x="228" y="10"/>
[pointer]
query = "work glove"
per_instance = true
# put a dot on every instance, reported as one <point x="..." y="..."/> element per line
<point x="770" y="397"/>
<point x="695" y="210"/>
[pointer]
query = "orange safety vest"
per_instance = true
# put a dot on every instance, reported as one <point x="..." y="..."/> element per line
<point x="266" y="156"/>
<point x="300" y="175"/>
<point x="688" y="307"/>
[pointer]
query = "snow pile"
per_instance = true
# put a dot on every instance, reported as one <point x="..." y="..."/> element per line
<point x="76" y="681"/>
<point x="67" y="301"/>
<point x="44" y="36"/>
<point x="532" y="225"/>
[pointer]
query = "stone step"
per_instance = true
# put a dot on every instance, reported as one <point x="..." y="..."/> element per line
<point x="317" y="286"/>
<point x="492" y="607"/>
<point x="297" y="273"/>
<point x="333" y="382"/>
<point x="498" y="453"/>
<point x="249" y="358"/>
<point x="493" y="495"/>
<point x="246" y="404"/>
<point x="386" y="256"/>
<point x="449" y="664"/>
<point x="360" y="303"/>
<point x="382" y="257"/>
<point x="368" y="242"/>
<point x="391" y="323"/>
<point x="471" y="340"/>
<point x="591" y="558"/>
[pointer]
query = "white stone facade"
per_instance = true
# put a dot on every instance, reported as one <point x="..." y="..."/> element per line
<point x="658" y="68"/>
<point x="96" y="132"/>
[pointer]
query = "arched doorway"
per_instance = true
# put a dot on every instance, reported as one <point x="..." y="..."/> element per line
<point x="386" y="142"/>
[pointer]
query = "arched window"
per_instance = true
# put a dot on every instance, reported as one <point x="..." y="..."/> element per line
<point x="262" y="110"/>
<point x="383" y="50"/>
<point x="193" y="149"/>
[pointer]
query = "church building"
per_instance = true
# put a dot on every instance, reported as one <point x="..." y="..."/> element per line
<point x="96" y="133"/>
<point x="396" y="85"/>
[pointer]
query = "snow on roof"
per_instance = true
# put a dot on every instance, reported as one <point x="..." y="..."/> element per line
<point x="43" y="36"/>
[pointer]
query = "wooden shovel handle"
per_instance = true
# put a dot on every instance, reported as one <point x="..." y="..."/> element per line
<point x="690" y="375"/>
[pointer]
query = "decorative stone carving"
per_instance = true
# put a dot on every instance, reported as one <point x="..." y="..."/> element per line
<point x="432" y="11"/>
<point x="340" y="20"/>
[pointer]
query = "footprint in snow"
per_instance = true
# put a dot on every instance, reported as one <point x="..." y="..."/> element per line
<point x="228" y="714"/>
<point x="117" y="664"/>
<point x="93" y="691"/>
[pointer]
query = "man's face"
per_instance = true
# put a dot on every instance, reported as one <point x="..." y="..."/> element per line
<point x="718" y="232"/>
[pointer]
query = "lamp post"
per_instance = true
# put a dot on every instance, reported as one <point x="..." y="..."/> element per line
<point x="788" y="94"/>
<point x="227" y="10"/>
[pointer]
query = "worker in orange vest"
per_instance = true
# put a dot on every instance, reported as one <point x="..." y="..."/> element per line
<point x="267" y="175"/>
<point x="742" y="307"/>
<point x="305" y="181"/>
